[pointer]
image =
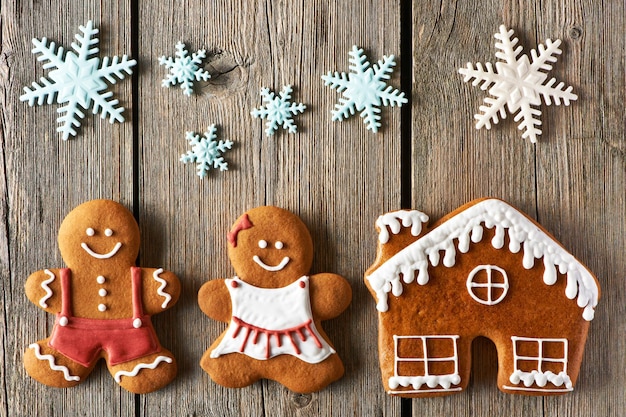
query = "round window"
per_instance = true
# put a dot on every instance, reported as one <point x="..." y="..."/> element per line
<point x="488" y="284"/>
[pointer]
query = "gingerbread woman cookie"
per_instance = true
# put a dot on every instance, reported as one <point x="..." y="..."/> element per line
<point x="103" y="304"/>
<point x="273" y="307"/>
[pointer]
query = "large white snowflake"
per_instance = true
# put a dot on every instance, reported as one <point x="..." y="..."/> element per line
<point x="78" y="80"/>
<point x="518" y="83"/>
<point x="364" y="89"/>
<point x="278" y="110"/>
<point x="184" y="69"/>
<point x="206" y="151"/>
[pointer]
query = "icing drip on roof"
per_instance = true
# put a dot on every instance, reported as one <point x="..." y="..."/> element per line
<point x="467" y="226"/>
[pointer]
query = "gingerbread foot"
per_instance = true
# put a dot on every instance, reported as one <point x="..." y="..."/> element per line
<point x="50" y="367"/>
<point x="155" y="371"/>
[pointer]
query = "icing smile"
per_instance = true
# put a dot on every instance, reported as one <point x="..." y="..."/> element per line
<point x="267" y="267"/>
<point x="96" y="255"/>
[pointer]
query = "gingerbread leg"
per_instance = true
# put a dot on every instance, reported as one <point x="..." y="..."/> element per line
<point x="52" y="368"/>
<point x="303" y="377"/>
<point x="232" y="370"/>
<point x="156" y="370"/>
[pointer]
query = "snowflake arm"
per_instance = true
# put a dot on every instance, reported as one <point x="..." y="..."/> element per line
<point x="206" y="151"/>
<point x="517" y="84"/>
<point x="184" y="69"/>
<point x="365" y="89"/>
<point x="278" y="111"/>
<point x="77" y="80"/>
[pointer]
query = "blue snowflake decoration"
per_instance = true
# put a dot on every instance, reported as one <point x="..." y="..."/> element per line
<point x="78" y="80"/>
<point x="278" y="110"/>
<point x="184" y="69"/>
<point x="364" y="89"/>
<point x="206" y="151"/>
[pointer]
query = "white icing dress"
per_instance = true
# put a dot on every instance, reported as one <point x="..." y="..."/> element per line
<point x="267" y="322"/>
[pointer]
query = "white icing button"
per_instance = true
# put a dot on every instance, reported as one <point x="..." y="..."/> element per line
<point x="108" y="232"/>
<point x="100" y="279"/>
<point x="90" y="231"/>
<point x="262" y="244"/>
<point x="278" y="245"/>
<point x="63" y="321"/>
<point x="102" y="307"/>
<point x="137" y="323"/>
<point x="102" y="292"/>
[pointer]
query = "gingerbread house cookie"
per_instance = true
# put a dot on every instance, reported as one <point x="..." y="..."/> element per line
<point x="488" y="270"/>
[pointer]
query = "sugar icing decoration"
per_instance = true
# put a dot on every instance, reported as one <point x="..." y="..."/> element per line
<point x="157" y="277"/>
<point x="432" y="381"/>
<point x="468" y="226"/>
<point x="278" y="110"/>
<point x="52" y="363"/>
<point x="539" y="377"/>
<point x="272" y="268"/>
<point x="159" y="359"/>
<point x="46" y="288"/>
<point x="243" y="224"/>
<point x="364" y="89"/>
<point x="206" y="151"/>
<point x="395" y="219"/>
<point x="518" y="84"/>
<point x="78" y="81"/>
<point x="97" y="255"/>
<point x="267" y="322"/>
<point x="184" y="69"/>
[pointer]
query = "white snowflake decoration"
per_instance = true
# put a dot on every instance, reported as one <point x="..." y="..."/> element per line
<point x="184" y="69"/>
<point x="206" y="151"/>
<point x="364" y="89"/>
<point x="518" y="84"/>
<point x="77" y="80"/>
<point x="278" y="110"/>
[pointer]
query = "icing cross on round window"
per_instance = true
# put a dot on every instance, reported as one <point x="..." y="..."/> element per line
<point x="488" y="284"/>
<point x="263" y="244"/>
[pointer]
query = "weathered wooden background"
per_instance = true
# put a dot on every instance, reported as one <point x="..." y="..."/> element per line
<point x="337" y="176"/>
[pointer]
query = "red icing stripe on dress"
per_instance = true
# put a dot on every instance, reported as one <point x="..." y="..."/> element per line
<point x="278" y="333"/>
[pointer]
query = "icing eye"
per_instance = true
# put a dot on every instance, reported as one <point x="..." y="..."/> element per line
<point x="262" y="244"/>
<point x="278" y="245"/>
<point x="90" y="231"/>
<point x="108" y="232"/>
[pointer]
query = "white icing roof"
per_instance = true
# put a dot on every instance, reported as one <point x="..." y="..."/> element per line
<point x="468" y="225"/>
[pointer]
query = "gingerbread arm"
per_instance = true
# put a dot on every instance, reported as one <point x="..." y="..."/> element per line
<point x="43" y="288"/>
<point x="330" y="295"/>
<point x="214" y="300"/>
<point x="161" y="290"/>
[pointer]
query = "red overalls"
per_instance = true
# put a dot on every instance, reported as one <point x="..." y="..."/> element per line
<point x="82" y="339"/>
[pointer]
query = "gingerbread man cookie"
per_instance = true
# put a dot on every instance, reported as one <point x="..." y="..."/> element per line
<point x="103" y="304"/>
<point x="273" y="307"/>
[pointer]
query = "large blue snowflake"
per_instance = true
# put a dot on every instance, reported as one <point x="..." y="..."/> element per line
<point x="364" y="89"/>
<point x="78" y="80"/>
<point x="206" y="151"/>
<point x="184" y="69"/>
<point x="278" y="110"/>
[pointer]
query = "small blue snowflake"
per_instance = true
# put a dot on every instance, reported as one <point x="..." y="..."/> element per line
<point x="364" y="89"/>
<point x="78" y="80"/>
<point x="184" y="69"/>
<point x="278" y="110"/>
<point x="206" y="151"/>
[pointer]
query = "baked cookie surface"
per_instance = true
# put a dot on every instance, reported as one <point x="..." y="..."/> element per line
<point x="487" y="270"/>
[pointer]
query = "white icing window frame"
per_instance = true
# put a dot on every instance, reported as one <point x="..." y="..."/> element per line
<point x="419" y="380"/>
<point x="489" y="285"/>
<point x="540" y="359"/>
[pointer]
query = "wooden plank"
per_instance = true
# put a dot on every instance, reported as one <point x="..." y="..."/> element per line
<point x="43" y="179"/>
<point x="583" y="166"/>
<point x="578" y="167"/>
<point x="337" y="176"/>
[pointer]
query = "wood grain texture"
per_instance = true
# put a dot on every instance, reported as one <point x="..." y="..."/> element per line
<point x="572" y="181"/>
<point x="338" y="177"/>
<point x="320" y="173"/>
<point x="44" y="178"/>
